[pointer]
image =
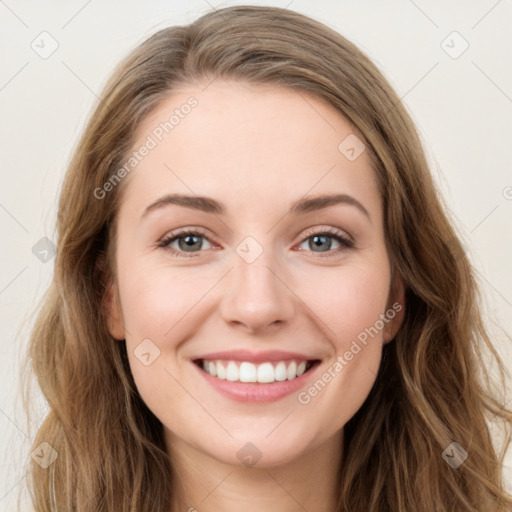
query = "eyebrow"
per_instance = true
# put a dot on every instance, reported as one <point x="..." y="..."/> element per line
<point x="210" y="205"/>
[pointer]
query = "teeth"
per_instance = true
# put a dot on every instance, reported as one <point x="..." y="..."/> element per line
<point x="280" y="372"/>
<point x="291" y="373"/>
<point x="250" y="372"/>
<point x="232" y="371"/>
<point x="266" y="373"/>
<point x="221" y="371"/>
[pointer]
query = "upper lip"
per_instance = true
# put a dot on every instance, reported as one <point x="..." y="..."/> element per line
<point x="254" y="357"/>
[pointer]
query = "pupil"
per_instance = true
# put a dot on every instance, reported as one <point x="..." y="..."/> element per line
<point x="317" y="238"/>
<point x="189" y="241"/>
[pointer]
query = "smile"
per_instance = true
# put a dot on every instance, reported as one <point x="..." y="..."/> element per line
<point x="263" y="373"/>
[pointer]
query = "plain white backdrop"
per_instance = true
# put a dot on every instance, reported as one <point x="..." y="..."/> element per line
<point x="450" y="62"/>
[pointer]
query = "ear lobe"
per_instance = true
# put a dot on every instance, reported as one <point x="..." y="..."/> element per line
<point x="395" y="311"/>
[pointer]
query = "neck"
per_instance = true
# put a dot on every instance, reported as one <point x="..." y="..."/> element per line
<point x="204" y="484"/>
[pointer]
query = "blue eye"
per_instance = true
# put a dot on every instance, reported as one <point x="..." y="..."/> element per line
<point x="324" y="238"/>
<point x="191" y="240"/>
<point x="190" y="243"/>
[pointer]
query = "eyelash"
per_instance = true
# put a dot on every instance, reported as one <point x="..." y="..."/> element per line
<point x="343" y="240"/>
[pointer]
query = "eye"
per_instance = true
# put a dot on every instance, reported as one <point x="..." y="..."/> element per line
<point x="323" y="238"/>
<point x="190" y="242"/>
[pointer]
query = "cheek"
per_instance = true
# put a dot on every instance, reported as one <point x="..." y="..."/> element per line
<point x="342" y="388"/>
<point x="348" y="300"/>
<point x="352" y="309"/>
<point x="155" y="300"/>
<point x="163" y="305"/>
<point x="158" y="307"/>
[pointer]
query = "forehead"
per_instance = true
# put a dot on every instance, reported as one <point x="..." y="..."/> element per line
<point x="241" y="141"/>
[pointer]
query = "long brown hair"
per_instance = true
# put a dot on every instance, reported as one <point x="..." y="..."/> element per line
<point x="433" y="387"/>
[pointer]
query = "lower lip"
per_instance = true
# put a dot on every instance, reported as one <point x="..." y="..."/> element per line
<point x="257" y="392"/>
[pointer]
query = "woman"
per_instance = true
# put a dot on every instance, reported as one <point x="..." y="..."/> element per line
<point x="197" y="347"/>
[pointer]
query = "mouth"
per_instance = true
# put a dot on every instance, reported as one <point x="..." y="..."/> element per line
<point x="265" y="372"/>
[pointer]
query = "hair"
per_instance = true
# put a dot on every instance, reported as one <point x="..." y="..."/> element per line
<point x="434" y="385"/>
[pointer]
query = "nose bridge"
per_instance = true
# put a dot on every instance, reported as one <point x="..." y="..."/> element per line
<point x="257" y="295"/>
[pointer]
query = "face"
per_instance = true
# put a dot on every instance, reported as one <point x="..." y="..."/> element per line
<point x="259" y="278"/>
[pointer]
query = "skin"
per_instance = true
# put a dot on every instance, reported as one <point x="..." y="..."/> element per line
<point x="256" y="149"/>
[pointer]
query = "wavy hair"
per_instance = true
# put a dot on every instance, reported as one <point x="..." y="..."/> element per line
<point x="433" y="387"/>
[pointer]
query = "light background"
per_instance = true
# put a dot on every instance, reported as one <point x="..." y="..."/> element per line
<point x="462" y="107"/>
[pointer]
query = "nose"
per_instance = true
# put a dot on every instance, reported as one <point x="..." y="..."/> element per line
<point x="257" y="298"/>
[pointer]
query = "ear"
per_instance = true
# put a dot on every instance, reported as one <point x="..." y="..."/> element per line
<point x="111" y="304"/>
<point x="113" y="312"/>
<point x="395" y="309"/>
